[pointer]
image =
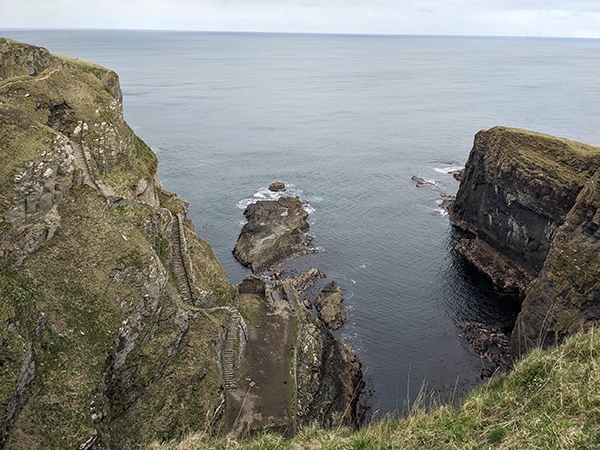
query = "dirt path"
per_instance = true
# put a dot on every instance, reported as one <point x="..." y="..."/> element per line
<point x="262" y="398"/>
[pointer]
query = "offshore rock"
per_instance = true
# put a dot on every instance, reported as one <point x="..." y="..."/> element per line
<point x="277" y="186"/>
<point x="528" y="206"/>
<point x="275" y="232"/>
<point x="330" y="306"/>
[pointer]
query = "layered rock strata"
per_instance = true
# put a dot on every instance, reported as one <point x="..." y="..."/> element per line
<point x="525" y="201"/>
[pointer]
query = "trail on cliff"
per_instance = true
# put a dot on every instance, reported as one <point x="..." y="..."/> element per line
<point x="177" y="266"/>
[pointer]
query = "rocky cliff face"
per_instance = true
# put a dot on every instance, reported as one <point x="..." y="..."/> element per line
<point x="117" y="323"/>
<point x="518" y="200"/>
<point x="99" y="343"/>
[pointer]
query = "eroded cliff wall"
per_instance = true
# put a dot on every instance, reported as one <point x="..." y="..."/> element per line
<point x="117" y="323"/>
<point x="517" y="205"/>
<point x="98" y="343"/>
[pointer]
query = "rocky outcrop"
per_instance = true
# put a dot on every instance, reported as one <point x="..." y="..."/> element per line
<point x="19" y="60"/>
<point x="295" y="373"/>
<point x="330" y="306"/>
<point x="527" y="207"/>
<point x="275" y="232"/>
<point x="328" y="376"/>
<point x="98" y="344"/>
<point x="277" y="186"/>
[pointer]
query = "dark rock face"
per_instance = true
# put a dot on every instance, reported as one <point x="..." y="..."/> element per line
<point x="330" y="305"/>
<point x="328" y="376"/>
<point x="527" y="204"/>
<point x="277" y="186"/>
<point x="565" y="297"/>
<point x="518" y="187"/>
<point x="275" y="233"/>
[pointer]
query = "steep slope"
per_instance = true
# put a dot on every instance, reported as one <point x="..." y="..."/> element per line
<point x="527" y="204"/>
<point x="99" y="344"/>
<point x="118" y="324"/>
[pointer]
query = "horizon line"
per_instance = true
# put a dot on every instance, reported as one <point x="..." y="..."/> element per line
<point x="338" y="33"/>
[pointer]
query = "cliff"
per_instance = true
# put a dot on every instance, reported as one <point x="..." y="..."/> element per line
<point x="526" y="204"/>
<point x="117" y="322"/>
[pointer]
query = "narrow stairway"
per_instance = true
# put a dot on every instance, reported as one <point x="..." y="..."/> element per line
<point x="228" y="357"/>
<point x="177" y="266"/>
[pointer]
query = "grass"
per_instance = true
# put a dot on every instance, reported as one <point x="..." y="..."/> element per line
<point x="550" y="400"/>
<point x="545" y="170"/>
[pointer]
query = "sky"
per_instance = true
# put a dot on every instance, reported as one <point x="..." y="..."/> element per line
<point x="560" y="18"/>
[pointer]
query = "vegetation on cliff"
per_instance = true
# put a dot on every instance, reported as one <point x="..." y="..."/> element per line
<point x="529" y="204"/>
<point x="97" y="344"/>
<point x="117" y="323"/>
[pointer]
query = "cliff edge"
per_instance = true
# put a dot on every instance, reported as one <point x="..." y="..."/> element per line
<point x="526" y="207"/>
<point x="117" y="323"/>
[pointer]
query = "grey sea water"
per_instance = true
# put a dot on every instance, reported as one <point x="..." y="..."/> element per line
<point x="346" y="121"/>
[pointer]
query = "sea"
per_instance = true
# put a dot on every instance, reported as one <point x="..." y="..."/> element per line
<point x="346" y="121"/>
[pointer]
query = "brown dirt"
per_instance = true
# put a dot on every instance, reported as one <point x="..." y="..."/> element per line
<point x="262" y="399"/>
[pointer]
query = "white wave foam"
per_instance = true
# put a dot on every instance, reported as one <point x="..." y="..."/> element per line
<point x="308" y="208"/>
<point x="448" y="170"/>
<point x="439" y="209"/>
<point x="265" y="194"/>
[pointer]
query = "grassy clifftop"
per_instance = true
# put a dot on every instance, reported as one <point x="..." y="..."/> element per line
<point x="550" y="400"/>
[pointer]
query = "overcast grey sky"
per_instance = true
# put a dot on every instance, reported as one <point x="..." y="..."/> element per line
<point x="578" y="18"/>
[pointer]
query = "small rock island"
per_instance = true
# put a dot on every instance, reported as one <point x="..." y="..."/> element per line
<point x="275" y="232"/>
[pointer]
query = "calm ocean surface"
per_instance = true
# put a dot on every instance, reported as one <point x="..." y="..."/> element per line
<point x="347" y="120"/>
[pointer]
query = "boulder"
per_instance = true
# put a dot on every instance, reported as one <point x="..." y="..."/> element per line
<point x="277" y="186"/>
<point x="330" y="306"/>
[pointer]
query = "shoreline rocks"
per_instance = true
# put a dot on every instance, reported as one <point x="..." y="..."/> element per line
<point x="330" y="306"/>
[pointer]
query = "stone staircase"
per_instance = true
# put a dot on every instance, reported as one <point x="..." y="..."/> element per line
<point x="229" y="358"/>
<point x="177" y="265"/>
